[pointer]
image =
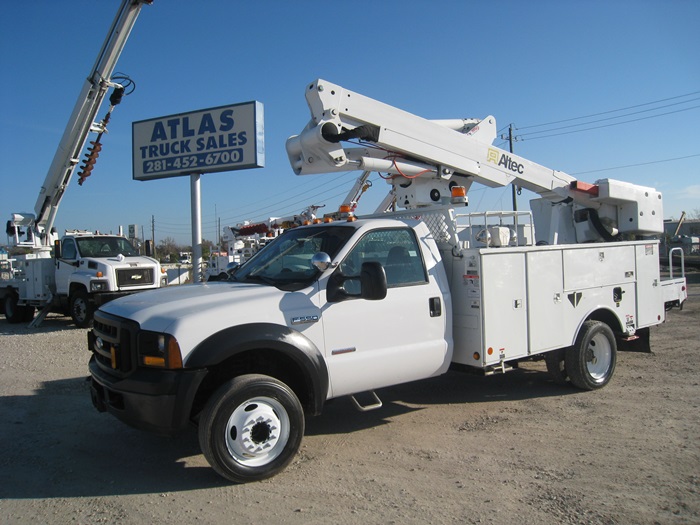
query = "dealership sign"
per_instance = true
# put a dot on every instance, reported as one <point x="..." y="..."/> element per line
<point x="226" y="138"/>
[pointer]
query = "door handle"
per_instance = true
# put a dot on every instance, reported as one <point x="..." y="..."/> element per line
<point x="435" y="304"/>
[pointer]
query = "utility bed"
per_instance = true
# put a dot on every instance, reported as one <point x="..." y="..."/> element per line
<point x="513" y="299"/>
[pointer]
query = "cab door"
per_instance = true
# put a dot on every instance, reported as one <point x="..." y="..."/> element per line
<point x="66" y="265"/>
<point x="403" y="337"/>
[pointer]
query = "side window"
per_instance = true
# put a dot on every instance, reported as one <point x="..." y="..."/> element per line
<point x="68" y="250"/>
<point x="398" y="252"/>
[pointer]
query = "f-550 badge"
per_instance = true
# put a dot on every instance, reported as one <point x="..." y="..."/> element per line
<point x="305" y="319"/>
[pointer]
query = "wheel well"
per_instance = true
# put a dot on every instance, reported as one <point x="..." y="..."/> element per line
<point x="259" y="361"/>
<point x="607" y="317"/>
<point x="75" y="287"/>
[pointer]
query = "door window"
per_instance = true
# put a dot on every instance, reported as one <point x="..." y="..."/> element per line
<point x="398" y="252"/>
<point x="68" y="250"/>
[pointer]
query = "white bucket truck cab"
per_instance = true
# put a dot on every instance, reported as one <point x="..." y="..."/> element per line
<point x="351" y="305"/>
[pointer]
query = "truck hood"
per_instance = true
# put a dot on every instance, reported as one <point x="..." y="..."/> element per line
<point x="121" y="260"/>
<point x="188" y="310"/>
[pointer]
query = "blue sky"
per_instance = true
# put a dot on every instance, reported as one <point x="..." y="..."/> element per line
<point x="528" y="63"/>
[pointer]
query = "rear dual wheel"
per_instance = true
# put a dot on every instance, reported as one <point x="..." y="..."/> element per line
<point x="556" y="366"/>
<point x="14" y="313"/>
<point x="590" y="362"/>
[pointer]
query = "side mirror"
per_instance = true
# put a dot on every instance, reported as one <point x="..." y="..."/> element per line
<point x="57" y="249"/>
<point x="372" y="284"/>
<point x="149" y="248"/>
<point x="321" y="261"/>
<point x="372" y="281"/>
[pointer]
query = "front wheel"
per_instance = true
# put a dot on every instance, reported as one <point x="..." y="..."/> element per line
<point x="81" y="309"/>
<point x="251" y="428"/>
<point x="590" y="362"/>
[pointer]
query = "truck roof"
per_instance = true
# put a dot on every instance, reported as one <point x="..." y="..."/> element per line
<point x="83" y="233"/>
<point x="367" y="222"/>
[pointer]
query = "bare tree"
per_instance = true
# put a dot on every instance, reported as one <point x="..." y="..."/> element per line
<point x="168" y="248"/>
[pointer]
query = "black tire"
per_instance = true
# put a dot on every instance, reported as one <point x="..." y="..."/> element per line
<point x="13" y="312"/>
<point x="590" y="362"/>
<point x="251" y="428"/>
<point x="81" y="309"/>
<point x="556" y="366"/>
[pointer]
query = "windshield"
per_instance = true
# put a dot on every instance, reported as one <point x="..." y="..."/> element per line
<point x="286" y="262"/>
<point x="105" y="247"/>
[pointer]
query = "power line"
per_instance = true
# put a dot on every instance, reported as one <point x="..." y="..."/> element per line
<point x="304" y="199"/>
<point x="620" y="116"/>
<point x="610" y="125"/>
<point x="254" y="207"/>
<point x="635" y="165"/>
<point x="610" y="111"/>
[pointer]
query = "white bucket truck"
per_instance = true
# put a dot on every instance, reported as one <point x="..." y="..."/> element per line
<point x="353" y="305"/>
<point x="83" y="270"/>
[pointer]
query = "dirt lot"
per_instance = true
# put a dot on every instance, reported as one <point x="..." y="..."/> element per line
<point x="509" y="449"/>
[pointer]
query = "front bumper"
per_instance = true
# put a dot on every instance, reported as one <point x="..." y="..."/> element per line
<point x="158" y="401"/>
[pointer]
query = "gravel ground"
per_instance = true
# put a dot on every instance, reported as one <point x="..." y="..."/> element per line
<point x="508" y="449"/>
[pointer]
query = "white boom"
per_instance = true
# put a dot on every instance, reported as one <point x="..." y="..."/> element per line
<point x="40" y="224"/>
<point x="428" y="157"/>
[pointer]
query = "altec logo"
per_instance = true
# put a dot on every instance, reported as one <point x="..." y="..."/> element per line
<point x="505" y="161"/>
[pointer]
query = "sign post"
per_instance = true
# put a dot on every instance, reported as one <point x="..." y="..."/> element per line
<point x="224" y="138"/>
<point x="196" y="204"/>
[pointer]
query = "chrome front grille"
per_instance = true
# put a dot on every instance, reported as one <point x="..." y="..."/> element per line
<point x="127" y="277"/>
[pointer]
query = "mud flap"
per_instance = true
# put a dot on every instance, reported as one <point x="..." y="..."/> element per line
<point x="640" y="342"/>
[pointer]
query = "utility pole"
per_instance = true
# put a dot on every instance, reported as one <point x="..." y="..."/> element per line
<point x="513" y="187"/>
<point x="216" y="221"/>
<point x="153" y="234"/>
<point x="516" y="190"/>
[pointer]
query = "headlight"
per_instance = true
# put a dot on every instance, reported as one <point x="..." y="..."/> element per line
<point x="164" y="280"/>
<point x="159" y="350"/>
<point x="98" y="286"/>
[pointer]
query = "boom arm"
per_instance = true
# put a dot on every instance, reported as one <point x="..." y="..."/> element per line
<point x="80" y="124"/>
<point x="427" y="157"/>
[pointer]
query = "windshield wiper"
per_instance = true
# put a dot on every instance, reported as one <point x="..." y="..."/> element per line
<point x="261" y="278"/>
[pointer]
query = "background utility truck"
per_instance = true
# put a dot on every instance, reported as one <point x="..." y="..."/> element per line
<point x="244" y="240"/>
<point x="85" y="270"/>
<point x="348" y="306"/>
